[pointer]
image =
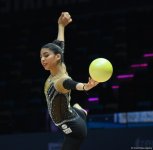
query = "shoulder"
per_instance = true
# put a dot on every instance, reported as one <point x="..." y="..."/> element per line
<point x="64" y="77"/>
<point x="59" y="83"/>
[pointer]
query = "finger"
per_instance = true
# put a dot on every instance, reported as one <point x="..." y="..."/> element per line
<point x="96" y="83"/>
<point x="67" y="17"/>
<point x="70" y="20"/>
<point x="66" y="14"/>
<point x="91" y="82"/>
<point x="63" y="15"/>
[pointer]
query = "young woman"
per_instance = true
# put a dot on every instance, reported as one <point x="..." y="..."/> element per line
<point x="71" y="120"/>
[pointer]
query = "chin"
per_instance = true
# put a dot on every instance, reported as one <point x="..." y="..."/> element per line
<point x="46" y="68"/>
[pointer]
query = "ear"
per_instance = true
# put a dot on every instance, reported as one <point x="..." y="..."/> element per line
<point x="58" y="56"/>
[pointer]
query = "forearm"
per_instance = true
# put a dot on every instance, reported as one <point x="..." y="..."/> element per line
<point x="60" y="35"/>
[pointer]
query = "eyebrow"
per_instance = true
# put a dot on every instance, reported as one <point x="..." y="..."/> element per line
<point x="43" y="53"/>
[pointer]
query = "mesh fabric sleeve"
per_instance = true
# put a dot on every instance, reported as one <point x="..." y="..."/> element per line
<point x="70" y="84"/>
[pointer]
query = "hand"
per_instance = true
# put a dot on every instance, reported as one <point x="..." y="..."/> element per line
<point x="64" y="19"/>
<point x="91" y="83"/>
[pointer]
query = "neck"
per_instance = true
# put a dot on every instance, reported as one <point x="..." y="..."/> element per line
<point x="56" y="70"/>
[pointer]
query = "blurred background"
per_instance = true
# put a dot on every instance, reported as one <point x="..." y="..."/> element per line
<point x="120" y="110"/>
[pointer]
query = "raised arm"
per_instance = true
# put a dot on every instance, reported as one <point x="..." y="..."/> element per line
<point x="63" y="21"/>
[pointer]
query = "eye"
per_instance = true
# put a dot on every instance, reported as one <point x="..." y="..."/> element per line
<point x="46" y="55"/>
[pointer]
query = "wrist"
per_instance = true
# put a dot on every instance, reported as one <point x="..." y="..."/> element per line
<point x="84" y="87"/>
<point x="61" y="26"/>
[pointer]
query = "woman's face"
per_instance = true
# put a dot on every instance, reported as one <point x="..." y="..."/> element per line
<point x="49" y="60"/>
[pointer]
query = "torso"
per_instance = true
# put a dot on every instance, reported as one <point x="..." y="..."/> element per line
<point x="58" y="103"/>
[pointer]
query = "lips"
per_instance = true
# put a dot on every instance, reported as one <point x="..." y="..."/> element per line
<point x="44" y="64"/>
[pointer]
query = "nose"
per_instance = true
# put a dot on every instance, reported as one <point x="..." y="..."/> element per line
<point x="42" y="59"/>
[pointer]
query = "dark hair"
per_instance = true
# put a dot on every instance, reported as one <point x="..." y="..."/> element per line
<point x="55" y="48"/>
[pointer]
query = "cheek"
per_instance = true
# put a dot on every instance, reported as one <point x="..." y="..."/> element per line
<point x="51" y="59"/>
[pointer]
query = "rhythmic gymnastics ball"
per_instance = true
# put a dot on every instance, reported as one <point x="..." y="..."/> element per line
<point x="100" y="69"/>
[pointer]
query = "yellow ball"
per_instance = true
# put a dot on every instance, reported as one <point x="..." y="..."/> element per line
<point x="100" y="70"/>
